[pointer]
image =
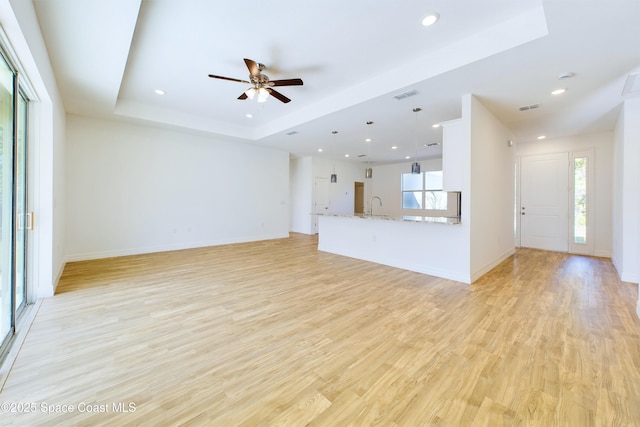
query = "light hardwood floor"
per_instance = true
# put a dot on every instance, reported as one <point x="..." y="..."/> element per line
<point x="276" y="333"/>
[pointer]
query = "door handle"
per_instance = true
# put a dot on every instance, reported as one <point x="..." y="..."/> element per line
<point x="26" y="221"/>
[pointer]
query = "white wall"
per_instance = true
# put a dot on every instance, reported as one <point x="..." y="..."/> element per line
<point x="341" y="193"/>
<point x="625" y="191"/>
<point x="47" y="130"/>
<point x="602" y="144"/>
<point x="491" y="188"/>
<point x="301" y="185"/>
<point x="304" y="172"/>
<point x="136" y="189"/>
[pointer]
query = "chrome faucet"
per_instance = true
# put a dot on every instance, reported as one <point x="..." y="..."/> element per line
<point x="371" y="204"/>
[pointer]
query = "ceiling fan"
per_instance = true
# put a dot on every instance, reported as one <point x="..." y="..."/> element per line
<point x="262" y="86"/>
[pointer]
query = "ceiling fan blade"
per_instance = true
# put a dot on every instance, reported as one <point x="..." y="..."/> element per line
<point x="213" y="76"/>
<point x="252" y="65"/>
<point x="243" y="96"/>
<point x="286" y="82"/>
<point x="278" y="95"/>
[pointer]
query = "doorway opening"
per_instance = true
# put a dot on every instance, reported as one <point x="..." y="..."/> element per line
<point x="358" y="199"/>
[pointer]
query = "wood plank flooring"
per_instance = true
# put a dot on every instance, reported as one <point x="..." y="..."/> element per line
<point x="275" y="333"/>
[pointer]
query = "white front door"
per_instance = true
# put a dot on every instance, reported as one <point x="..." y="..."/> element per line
<point x="321" y="199"/>
<point x="544" y="202"/>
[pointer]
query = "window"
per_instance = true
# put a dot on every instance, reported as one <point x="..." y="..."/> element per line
<point x="580" y="200"/>
<point x="423" y="191"/>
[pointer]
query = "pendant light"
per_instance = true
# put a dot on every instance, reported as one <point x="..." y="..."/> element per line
<point x="415" y="166"/>
<point x="368" y="172"/>
<point x="334" y="177"/>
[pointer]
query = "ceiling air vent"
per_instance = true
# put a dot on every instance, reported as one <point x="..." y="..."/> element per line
<point x="529" y="107"/>
<point x="362" y="155"/>
<point x="293" y="132"/>
<point x="406" y="94"/>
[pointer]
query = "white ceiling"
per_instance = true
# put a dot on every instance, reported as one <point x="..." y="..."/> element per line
<point x="353" y="56"/>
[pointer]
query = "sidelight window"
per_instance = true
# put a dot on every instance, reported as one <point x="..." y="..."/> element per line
<point x="580" y="200"/>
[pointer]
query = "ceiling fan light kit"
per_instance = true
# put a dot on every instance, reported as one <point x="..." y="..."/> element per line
<point x="262" y="85"/>
<point x="262" y="95"/>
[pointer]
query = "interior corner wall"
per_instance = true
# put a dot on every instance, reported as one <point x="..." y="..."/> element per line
<point x="137" y="189"/>
<point x="301" y="190"/>
<point x="492" y="190"/>
<point x="626" y="181"/>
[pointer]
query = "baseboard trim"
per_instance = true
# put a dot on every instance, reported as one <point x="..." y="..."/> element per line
<point x="602" y="254"/>
<point x="402" y="264"/>
<point x="173" y="247"/>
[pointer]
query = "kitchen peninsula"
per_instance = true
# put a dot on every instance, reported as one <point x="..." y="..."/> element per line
<point x="478" y="162"/>
<point x="429" y="245"/>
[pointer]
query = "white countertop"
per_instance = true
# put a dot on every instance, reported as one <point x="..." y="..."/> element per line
<point x="407" y="218"/>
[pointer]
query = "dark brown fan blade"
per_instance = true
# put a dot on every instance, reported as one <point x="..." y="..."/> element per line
<point x="228" y="78"/>
<point x="278" y="95"/>
<point x="253" y="67"/>
<point x="286" y="82"/>
<point x="243" y="96"/>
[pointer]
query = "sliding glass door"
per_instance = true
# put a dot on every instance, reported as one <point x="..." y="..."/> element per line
<point x="23" y="219"/>
<point x="15" y="219"/>
<point x="7" y="312"/>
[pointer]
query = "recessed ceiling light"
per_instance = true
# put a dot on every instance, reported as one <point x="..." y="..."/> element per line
<point x="249" y="116"/>
<point x="430" y="19"/>
<point x="542" y="137"/>
<point x="436" y="125"/>
<point x="346" y="155"/>
<point x="394" y="147"/>
<point x="559" y="91"/>
<point x="159" y="92"/>
<point x="320" y="150"/>
<point x="407" y="157"/>
<point x="367" y="140"/>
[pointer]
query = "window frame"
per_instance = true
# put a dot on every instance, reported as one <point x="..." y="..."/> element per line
<point x="451" y="198"/>
<point x="585" y="248"/>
